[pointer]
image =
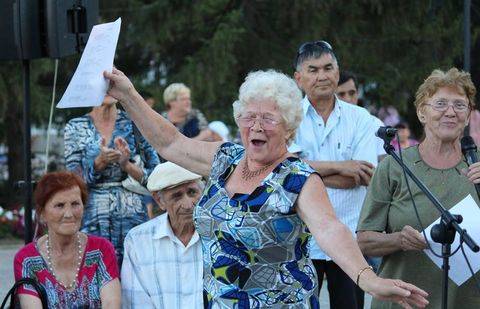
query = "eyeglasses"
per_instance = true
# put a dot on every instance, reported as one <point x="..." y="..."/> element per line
<point x="309" y="47"/>
<point x="442" y="105"/>
<point x="265" y="123"/>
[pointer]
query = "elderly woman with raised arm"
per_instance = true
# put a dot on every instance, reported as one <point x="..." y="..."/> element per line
<point x="259" y="201"/>
<point x="388" y="224"/>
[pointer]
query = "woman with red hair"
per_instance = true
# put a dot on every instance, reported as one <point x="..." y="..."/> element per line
<point x="76" y="270"/>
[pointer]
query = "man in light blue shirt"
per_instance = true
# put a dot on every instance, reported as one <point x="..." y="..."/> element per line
<point x="337" y="139"/>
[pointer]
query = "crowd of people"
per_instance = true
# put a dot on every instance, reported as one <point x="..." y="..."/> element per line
<point x="307" y="193"/>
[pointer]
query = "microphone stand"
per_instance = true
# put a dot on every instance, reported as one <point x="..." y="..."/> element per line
<point x="443" y="232"/>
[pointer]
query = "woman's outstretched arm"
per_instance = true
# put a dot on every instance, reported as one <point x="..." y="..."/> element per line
<point x="314" y="208"/>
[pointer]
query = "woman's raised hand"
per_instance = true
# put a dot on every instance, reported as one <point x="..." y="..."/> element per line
<point x="105" y="156"/>
<point x="120" y="86"/>
<point x="122" y="146"/>
<point x="395" y="290"/>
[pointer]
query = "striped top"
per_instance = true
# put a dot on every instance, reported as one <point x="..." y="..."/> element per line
<point x="349" y="134"/>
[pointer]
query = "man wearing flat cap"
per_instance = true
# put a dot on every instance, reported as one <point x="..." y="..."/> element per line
<point x="162" y="265"/>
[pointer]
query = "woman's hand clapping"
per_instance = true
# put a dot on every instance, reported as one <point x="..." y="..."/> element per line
<point x="120" y="154"/>
<point x="106" y="156"/>
<point x="122" y="146"/>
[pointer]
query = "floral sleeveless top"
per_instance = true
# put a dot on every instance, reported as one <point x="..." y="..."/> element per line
<point x="255" y="247"/>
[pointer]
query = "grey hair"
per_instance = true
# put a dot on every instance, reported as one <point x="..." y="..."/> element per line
<point x="274" y="85"/>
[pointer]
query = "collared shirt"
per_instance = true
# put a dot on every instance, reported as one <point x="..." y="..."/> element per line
<point x="347" y="135"/>
<point x="158" y="271"/>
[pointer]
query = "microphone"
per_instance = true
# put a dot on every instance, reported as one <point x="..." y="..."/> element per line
<point x="386" y="133"/>
<point x="469" y="150"/>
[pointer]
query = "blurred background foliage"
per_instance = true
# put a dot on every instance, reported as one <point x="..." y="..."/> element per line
<point x="211" y="45"/>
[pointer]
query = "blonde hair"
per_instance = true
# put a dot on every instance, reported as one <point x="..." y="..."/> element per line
<point x="277" y="86"/>
<point x="172" y="91"/>
<point x="454" y="78"/>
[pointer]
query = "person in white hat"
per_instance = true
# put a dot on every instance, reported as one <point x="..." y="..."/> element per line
<point x="219" y="132"/>
<point x="162" y="265"/>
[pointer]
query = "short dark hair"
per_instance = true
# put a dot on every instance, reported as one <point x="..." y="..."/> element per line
<point x="54" y="182"/>
<point x="345" y="76"/>
<point x="315" y="49"/>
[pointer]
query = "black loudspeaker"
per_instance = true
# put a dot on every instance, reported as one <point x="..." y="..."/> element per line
<point x="68" y="24"/>
<point x="20" y="28"/>
<point x="32" y="29"/>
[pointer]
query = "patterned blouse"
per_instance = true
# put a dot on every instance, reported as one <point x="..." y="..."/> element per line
<point x="82" y="146"/>
<point x="255" y="245"/>
<point x="97" y="269"/>
<point x="111" y="210"/>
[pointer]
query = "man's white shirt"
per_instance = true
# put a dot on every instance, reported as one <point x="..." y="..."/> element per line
<point x="159" y="271"/>
<point x="349" y="134"/>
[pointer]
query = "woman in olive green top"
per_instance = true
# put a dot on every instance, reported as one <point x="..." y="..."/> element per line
<point x="388" y="226"/>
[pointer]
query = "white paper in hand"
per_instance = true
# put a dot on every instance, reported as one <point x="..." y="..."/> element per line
<point x="88" y="86"/>
<point x="459" y="272"/>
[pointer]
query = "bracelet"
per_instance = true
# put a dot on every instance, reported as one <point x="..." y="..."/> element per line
<point x="362" y="270"/>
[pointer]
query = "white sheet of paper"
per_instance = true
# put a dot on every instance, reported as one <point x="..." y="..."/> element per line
<point x="459" y="272"/>
<point x="88" y="86"/>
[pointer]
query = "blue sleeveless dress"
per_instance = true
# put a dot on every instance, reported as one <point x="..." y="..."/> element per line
<point x="255" y="247"/>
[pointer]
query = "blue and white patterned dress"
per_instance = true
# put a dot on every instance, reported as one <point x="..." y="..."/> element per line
<point x="255" y="245"/>
<point x="111" y="210"/>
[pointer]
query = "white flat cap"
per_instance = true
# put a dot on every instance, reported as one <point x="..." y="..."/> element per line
<point x="220" y="128"/>
<point x="168" y="175"/>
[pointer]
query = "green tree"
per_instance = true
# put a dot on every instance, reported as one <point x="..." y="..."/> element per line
<point x="212" y="44"/>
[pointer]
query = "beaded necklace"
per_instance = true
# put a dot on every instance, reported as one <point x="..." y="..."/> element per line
<point x="79" y="262"/>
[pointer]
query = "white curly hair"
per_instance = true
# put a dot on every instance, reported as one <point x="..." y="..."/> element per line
<point x="274" y="85"/>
